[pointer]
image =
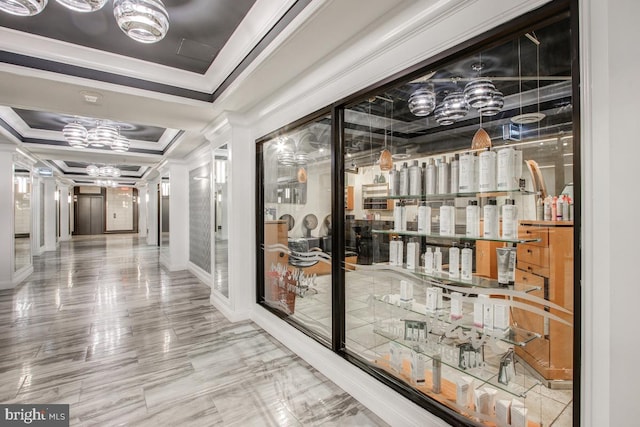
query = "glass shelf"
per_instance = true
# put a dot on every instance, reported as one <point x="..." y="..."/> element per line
<point x="485" y="375"/>
<point x="514" y="335"/>
<point x="456" y="237"/>
<point x="496" y="193"/>
<point x="443" y="278"/>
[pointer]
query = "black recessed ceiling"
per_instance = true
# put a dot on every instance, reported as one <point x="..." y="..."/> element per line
<point x="198" y="30"/>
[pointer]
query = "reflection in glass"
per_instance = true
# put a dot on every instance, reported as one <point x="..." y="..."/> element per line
<point x="221" y="224"/>
<point x="22" y="217"/>
<point x="297" y="231"/>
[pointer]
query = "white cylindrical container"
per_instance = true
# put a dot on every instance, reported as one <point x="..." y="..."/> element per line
<point x="475" y="168"/>
<point x="446" y="226"/>
<point x="397" y="217"/>
<point x="437" y="261"/>
<point x="473" y="219"/>
<point x="404" y="180"/>
<point x="455" y="174"/>
<point x="465" y="175"/>
<point x="393" y="188"/>
<point x="505" y="176"/>
<point x="403" y="218"/>
<point x="517" y="166"/>
<point x="487" y="175"/>
<point x="454" y="262"/>
<point x="400" y="253"/>
<point x="430" y="178"/>
<point x="415" y="179"/>
<point x="424" y="218"/>
<point x="509" y="220"/>
<point x="443" y="176"/>
<point x="466" y="263"/>
<point x="393" y="252"/>
<point x="413" y="254"/>
<point x="428" y="261"/>
<point x="491" y="220"/>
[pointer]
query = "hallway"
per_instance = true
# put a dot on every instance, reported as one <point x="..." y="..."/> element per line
<point x="101" y="326"/>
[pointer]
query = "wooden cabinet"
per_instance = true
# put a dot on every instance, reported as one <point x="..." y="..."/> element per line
<point x="349" y="198"/>
<point x="547" y="263"/>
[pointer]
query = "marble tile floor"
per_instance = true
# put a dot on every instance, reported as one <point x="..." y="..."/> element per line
<point x="100" y="325"/>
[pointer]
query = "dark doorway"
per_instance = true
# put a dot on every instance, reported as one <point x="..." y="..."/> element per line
<point x="90" y="215"/>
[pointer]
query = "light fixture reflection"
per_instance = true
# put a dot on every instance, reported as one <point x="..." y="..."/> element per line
<point x="422" y="101"/>
<point x="83" y="5"/>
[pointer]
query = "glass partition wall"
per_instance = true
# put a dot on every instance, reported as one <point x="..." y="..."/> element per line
<point x="221" y="220"/>
<point x="457" y="228"/>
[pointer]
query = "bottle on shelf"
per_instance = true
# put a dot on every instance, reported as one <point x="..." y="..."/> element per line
<point x="487" y="171"/>
<point x="466" y="263"/>
<point x="454" y="262"/>
<point x="455" y="174"/>
<point x="447" y="220"/>
<point x="509" y="219"/>
<point x="424" y="218"/>
<point x="428" y="261"/>
<point x="437" y="261"/>
<point x="430" y="178"/>
<point x="539" y="208"/>
<point x="415" y="179"/>
<point x="491" y="219"/>
<point x="443" y="176"/>
<point x="466" y="173"/>
<point x="505" y="175"/>
<point x="393" y="251"/>
<point x="403" y="190"/>
<point x="473" y="219"/>
<point x="393" y="188"/>
<point x="413" y="254"/>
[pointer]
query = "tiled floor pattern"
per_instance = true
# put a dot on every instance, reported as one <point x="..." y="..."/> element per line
<point x="102" y="327"/>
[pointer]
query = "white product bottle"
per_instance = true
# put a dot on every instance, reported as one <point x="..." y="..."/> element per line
<point x="517" y="166"/>
<point x="475" y="168"/>
<point x="446" y="228"/>
<point x="465" y="176"/>
<point x="404" y="180"/>
<point x="397" y="217"/>
<point x="428" y="261"/>
<point x="400" y="253"/>
<point x="487" y="175"/>
<point x="466" y="263"/>
<point x="509" y="219"/>
<point x="403" y="219"/>
<point x="430" y="178"/>
<point x="491" y="220"/>
<point x="473" y="219"/>
<point x="437" y="261"/>
<point x="393" y="252"/>
<point x="455" y="174"/>
<point x="413" y="254"/>
<point x="506" y="175"/>
<point x="456" y="306"/>
<point x="424" y="218"/>
<point x="393" y="188"/>
<point x="443" y="176"/>
<point x="454" y="262"/>
<point x="415" y="179"/>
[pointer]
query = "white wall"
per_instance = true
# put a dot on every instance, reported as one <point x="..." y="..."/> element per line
<point x="178" y="216"/>
<point x="142" y="211"/>
<point x="6" y="217"/>
<point x="50" y="235"/>
<point x="609" y="35"/>
<point x="65" y="208"/>
<point x="152" y="212"/>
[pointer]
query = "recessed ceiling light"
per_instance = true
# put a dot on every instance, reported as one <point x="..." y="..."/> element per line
<point x="528" y="118"/>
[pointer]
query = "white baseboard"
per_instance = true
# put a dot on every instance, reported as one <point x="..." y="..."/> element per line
<point x="389" y="405"/>
<point x="200" y="274"/>
<point x="222" y="303"/>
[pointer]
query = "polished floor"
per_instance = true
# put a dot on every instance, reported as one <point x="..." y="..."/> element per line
<point x="100" y="325"/>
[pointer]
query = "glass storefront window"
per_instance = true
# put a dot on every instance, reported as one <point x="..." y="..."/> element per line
<point x="463" y="229"/>
<point x="297" y="194"/>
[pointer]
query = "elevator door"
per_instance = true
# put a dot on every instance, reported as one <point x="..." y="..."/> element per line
<point x="90" y="218"/>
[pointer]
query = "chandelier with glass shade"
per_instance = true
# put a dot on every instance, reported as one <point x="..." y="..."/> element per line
<point x="103" y="135"/>
<point x="145" y="21"/>
<point x="106" y="171"/>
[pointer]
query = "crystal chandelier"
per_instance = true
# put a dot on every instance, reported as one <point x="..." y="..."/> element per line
<point x="145" y="21"/>
<point x="103" y="171"/>
<point x="102" y="135"/>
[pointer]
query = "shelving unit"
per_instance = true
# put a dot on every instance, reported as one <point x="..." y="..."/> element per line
<point x="376" y="197"/>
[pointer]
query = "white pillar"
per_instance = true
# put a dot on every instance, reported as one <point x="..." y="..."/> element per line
<point x="65" y="208"/>
<point x="142" y="211"/>
<point x="6" y="217"/>
<point x="49" y="200"/>
<point x="151" y="201"/>
<point x="178" y="256"/>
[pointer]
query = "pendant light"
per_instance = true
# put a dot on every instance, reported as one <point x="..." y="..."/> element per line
<point x="386" y="160"/>
<point x="422" y="101"/>
<point x="83" y="5"/>
<point x="145" y="21"/>
<point x="22" y="7"/>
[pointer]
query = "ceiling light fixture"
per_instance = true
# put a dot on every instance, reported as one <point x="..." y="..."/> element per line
<point x="145" y="21"/>
<point x="103" y="135"/>
<point x="105" y="171"/>
<point x="22" y="7"/>
<point x="422" y="101"/>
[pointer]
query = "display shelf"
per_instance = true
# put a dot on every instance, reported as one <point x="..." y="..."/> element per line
<point x="448" y="393"/>
<point x="485" y="375"/>
<point x="449" y="196"/>
<point x="514" y="335"/>
<point x="443" y="278"/>
<point x="456" y="237"/>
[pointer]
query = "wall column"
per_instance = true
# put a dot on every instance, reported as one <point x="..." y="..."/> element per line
<point x="65" y="209"/>
<point x="49" y="200"/>
<point x="6" y="218"/>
